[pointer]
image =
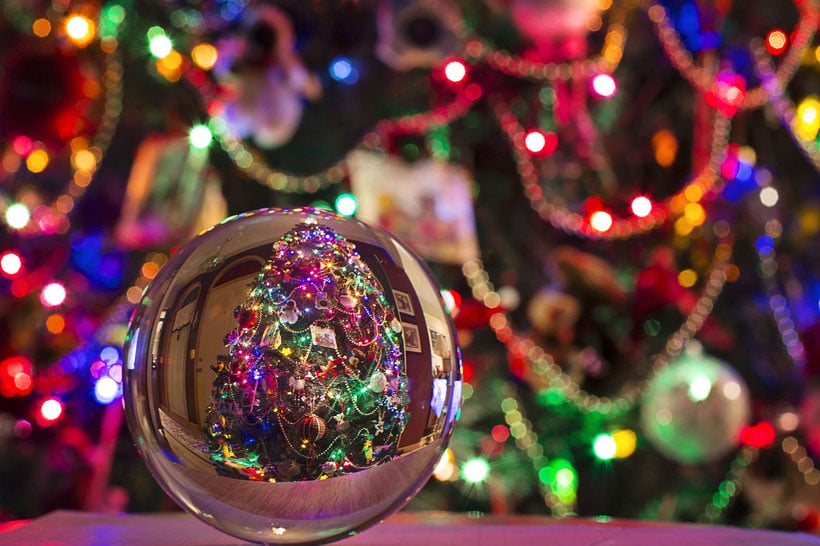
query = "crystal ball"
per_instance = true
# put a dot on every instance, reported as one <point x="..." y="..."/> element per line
<point x="694" y="410"/>
<point x="292" y="376"/>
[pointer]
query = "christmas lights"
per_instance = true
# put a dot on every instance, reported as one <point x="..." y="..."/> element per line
<point x="704" y="80"/>
<point x="313" y="384"/>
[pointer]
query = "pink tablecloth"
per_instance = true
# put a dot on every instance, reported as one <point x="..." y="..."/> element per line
<point x="64" y="528"/>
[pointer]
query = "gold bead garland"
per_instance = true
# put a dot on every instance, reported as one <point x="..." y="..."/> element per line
<point x="606" y="61"/>
<point x="782" y="106"/>
<point x="544" y="366"/>
<point x="85" y="157"/>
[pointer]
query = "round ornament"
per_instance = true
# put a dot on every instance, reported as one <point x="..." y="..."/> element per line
<point x="263" y="80"/>
<point x="301" y="387"/>
<point x="694" y="410"/>
<point x="313" y="429"/>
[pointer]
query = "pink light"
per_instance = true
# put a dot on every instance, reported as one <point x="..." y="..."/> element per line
<point x="15" y="376"/>
<point x="604" y="85"/>
<point x="22" y="145"/>
<point x="500" y="433"/>
<point x="22" y="381"/>
<point x="600" y="221"/>
<point x="50" y="410"/>
<point x="641" y="206"/>
<point x="53" y="294"/>
<point x="539" y="142"/>
<point x="455" y="71"/>
<point x="10" y="263"/>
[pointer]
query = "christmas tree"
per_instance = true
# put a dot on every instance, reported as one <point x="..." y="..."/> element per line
<point x="313" y="384"/>
<point x="620" y="201"/>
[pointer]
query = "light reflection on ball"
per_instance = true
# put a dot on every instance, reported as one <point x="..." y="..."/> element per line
<point x="694" y="410"/>
<point x="292" y="376"/>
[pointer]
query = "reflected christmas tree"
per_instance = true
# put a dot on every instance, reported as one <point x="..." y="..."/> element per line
<point x="313" y="384"/>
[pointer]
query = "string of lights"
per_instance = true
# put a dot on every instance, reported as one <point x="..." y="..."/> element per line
<point x="726" y="84"/>
<point x="557" y="479"/>
<point x="607" y="60"/>
<point x="252" y="163"/>
<point x="601" y="222"/>
<point x="551" y="374"/>
<point x="27" y="211"/>
<point x="784" y="108"/>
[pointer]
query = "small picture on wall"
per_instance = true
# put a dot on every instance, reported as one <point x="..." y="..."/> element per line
<point x="412" y="338"/>
<point x="404" y="303"/>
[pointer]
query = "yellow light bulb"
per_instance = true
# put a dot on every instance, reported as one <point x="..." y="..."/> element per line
<point x="80" y="29"/>
<point x="204" y="56"/>
<point x="37" y="161"/>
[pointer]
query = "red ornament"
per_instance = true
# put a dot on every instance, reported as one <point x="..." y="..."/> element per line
<point x="247" y="318"/>
<point x="473" y="315"/>
<point x="312" y="428"/>
<point x="810" y="521"/>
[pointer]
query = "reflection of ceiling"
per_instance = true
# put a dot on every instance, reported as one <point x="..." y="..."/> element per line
<point x="233" y="237"/>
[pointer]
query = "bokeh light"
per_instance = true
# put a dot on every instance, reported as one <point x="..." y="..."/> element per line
<point x="475" y="470"/>
<point x="604" y="447"/>
<point x="446" y="468"/>
<point x="535" y="141"/>
<point x="10" y="263"/>
<point x="665" y="146"/>
<point x="346" y="204"/>
<point x="37" y="161"/>
<point x="41" y="27"/>
<point x="158" y="43"/>
<point x="51" y="409"/>
<point x="80" y="29"/>
<point x="200" y="137"/>
<point x="699" y="388"/>
<point x="540" y="142"/>
<point x="455" y="71"/>
<point x="601" y="221"/>
<point x="55" y="323"/>
<point x="106" y="390"/>
<point x="53" y="294"/>
<point x="776" y="42"/>
<point x="204" y="56"/>
<point x="17" y="216"/>
<point x="625" y="443"/>
<point x="16" y="376"/>
<point x="604" y="85"/>
<point x="769" y="196"/>
<point x="641" y="206"/>
<point x="342" y="70"/>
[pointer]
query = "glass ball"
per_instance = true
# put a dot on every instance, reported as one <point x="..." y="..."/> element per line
<point x="694" y="410"/>
<point x="292" y="376"/>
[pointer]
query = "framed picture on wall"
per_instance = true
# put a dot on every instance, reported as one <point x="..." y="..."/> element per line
<point x="404" y="303"/>
<point x="412" y="338"/>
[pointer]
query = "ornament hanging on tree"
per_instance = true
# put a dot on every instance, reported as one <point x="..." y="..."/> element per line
<point x="328" y="394"/>
<point x="413" y="34"/>
<point x="263" y="80"/>
<point x="171" y="194"/>
<point x="695" y="409"/>
<point x="426" y="203"/>
<point x="556" y="28"/>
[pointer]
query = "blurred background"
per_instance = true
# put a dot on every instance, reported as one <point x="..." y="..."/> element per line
<point x="619" y="199"/>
